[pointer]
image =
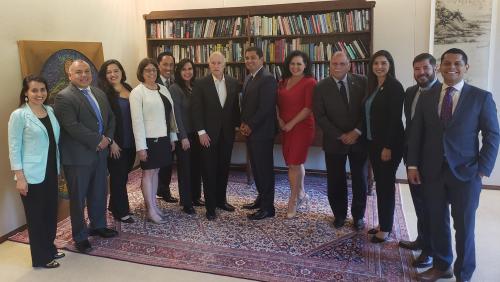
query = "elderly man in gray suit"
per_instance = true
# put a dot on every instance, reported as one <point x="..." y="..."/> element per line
<point x="337" y="107"/>
<point x="87" y="128"/>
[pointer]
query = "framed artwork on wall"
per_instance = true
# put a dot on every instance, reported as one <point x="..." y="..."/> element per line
<point x="464" y="24"/>
<point x="51" y="59"/>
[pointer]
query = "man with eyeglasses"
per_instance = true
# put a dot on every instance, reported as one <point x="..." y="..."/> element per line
<point x="337" y="107"/>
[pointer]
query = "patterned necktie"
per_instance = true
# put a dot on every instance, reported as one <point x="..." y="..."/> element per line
<point x="343" y="93"/>
<point x="96" y="110"/>
<point x="447" y="105"/>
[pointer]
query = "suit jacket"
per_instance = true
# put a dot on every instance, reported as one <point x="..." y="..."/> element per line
<point x="207" y="112"/>
<point x="430" y="140"/>
<point x="29" y="143"/>
<point x="79" y="124"/>
<point x="258" y="105"/>
<point x="410" y="94"/>
<point x="385" y="115"/>
<point x="334" y="118"/>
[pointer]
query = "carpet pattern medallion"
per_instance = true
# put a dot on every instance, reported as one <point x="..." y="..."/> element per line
<point x="306" y="248"/>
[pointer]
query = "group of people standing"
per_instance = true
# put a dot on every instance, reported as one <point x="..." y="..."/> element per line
<point x="103" y="129"/>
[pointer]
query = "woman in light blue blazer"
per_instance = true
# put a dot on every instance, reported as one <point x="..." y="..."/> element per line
<point x="34" y="158"/>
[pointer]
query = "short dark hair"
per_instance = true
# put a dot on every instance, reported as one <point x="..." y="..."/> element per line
<point x="372" y="78"/>
<point x="104" y="84"/>
<point x="455" y="51"/>
<point x="178" y="70"/>
<point x="255" y="49"/>
<point x="26" y="87"/>
<point x="288" y="60"/>
<point x="142" y="65"/>
<point x="423" y="57"/>
<point x="163" y="54"/>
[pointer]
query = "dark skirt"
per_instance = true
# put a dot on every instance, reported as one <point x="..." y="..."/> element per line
<point x="159" y="153"/>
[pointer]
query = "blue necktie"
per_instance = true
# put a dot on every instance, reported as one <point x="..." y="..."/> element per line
<point x="96" y="110"/>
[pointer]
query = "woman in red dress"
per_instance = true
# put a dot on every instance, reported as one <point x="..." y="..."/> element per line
<point x="296" y="122"/>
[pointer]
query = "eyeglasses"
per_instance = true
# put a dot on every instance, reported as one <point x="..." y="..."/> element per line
<point x="150" y="70"/>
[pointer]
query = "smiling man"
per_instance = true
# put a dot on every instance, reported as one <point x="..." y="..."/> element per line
<point x="444" y="156"/>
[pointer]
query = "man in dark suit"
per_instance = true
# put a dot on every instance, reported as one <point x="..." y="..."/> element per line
<point x="258" y="124"/>
<point x="337" y="106"/>
<point x="444" y="155"/>
<point x="216" y="115"/>
<point x="424" y="72"/>
<point x="166" y="64"/>
<point x="87" y="128"/>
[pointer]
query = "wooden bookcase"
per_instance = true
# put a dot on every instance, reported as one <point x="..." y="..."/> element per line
<point x="314" y="27"/>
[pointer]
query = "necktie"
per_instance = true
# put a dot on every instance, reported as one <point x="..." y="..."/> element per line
<point x="96" y="110"/>
<point x="343" y="93"/>
<point x="447" y="105"/>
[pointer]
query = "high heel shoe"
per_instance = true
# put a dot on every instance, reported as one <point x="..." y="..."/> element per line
<point x="52" y="264"/>
<point x="292" y="209"/>
<point x="304" y="200"/>
<point x="373" y="231"/>
<point x="155" y="220"/>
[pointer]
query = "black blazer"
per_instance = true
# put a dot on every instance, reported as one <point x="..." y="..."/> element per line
<point x="207" y="112"/>
<point x="258" y="105"/>
<point x="385" y="115"/>
<point x="113" y="99"/>
<point x="334" y="118"/>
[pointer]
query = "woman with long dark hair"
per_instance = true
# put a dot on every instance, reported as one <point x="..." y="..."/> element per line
<point x="34" y="157"/>
<point x="112" y="80"/>
<point x="385" y="134"/>
<point x="294" y="110"/>
<point x="188" y="148"/>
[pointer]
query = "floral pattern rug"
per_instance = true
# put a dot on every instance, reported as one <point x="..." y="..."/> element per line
<point x="306" y="248"/>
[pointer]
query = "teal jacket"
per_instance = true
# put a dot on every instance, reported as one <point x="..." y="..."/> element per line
<point x="29" y="143"/>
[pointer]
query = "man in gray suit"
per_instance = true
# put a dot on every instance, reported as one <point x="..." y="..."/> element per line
<point x="337" y="106"/>
<point x="87" y="128"/>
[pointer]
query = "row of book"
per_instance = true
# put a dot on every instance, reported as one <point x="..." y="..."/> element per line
<point x="238" y="72"/>
<point x="207" y="28"/>
<point x="199" y="54"/>
<point x="275" y="51"/>
<point x="338" y="21"/>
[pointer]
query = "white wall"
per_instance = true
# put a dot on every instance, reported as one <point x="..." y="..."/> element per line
<point x="112" y="22"/>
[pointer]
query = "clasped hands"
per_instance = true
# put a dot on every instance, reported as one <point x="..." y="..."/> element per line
<point x="245" y="129"/>
<point x="349" y="138"/>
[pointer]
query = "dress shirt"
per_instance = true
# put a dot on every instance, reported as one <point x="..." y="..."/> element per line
<point x="346" y="85"/>
<point x="166" y="81"/>
<point x="417" y="95"/>
<point x="220" y="85"/>
<point x="91" y="96"/>
<point x="455" y="95"/>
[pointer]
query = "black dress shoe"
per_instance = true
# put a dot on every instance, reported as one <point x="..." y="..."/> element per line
<point x="125" y="219"/>
<point x="198" y="203"/>
<point x="261" y="214"/>
<point x="52" y="264"/>
<point x="59" y="255"/>
<point x="433" y="274"/>
<point x="226" y="207"/>
<point x="422" y="261"/>
<point x="338" y="222"/>
<point x="103" y="232"/>
<point x="359" y="224"/>
<point x="169" y="199"/>
<point x="189" y="210"/>
<point x="251" y="206"/>
<point x="373" y="231"/>
<point x="410" y="245"/>
<point x="378" y="240"/>
<point x="211" y="216"/>
<point x="83" y="246"/>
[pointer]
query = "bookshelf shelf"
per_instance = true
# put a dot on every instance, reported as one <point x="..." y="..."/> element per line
<point x="317" y="28"/>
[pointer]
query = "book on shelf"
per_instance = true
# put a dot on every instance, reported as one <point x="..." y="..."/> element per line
<point x="318" y="70"/>
<point x="206" y="28"/>
<point x="332" y="22"/>
<point x="199" y="53"/>
<point x="276" y="50"/>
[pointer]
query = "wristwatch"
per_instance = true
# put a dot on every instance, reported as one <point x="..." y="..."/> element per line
<point x="110" y="141"/>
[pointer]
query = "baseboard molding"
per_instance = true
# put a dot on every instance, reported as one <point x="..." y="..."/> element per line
<point x="6" y="236"/>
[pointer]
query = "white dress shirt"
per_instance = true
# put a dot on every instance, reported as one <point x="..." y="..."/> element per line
<point x="455" y="94"/>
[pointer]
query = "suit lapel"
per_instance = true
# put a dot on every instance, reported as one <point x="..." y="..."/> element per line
<point x="35" y="120"/>
<point x="213" y="90"/>
<point x="462" y="101"/>
<point x="79" y="95"/>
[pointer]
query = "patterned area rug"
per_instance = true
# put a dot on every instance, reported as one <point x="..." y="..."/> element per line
<point x="306" y="248"/>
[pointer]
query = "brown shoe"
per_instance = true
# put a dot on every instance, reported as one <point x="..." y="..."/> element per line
<point x="433" y="274"/>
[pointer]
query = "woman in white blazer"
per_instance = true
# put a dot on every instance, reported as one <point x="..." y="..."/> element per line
<point x="155" y="131"/>
<point x="33" y="133"/>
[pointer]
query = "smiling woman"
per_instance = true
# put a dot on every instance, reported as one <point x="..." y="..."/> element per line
<point x="33" y="140"/>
